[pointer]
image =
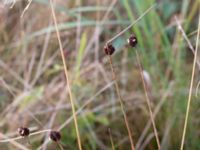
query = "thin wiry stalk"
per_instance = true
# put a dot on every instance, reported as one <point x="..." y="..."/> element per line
<point x="67" y="77"/>
<point x="60" y="146"/>
<point x="111" y="139"/>
<point x="121" y="103"/>
<point x="18" y="145"/>
<point x="191" y="85"/>
<point x="147" y="100"/>
<point x="114" y="75"/>
<point x="20" y="137"/>
<point x="186" y="38"/>
<point x="155" y="113"/>
<point x="120" y="33"/>
<point x="26" y="8"/>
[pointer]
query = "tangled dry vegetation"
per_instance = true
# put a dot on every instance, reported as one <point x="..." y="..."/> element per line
<point x="154" y="83"/>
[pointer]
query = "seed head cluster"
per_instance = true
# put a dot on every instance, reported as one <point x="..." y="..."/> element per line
<point x="109" y="49"/>
<point x="132" y="40"/>
<point x="55" y="136"/>
<point x="23" y="131"/>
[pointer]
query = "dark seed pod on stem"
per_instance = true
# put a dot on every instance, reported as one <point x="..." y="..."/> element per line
<point x="109" y="49"/>
<point x="55" y="136"/>
<point x="132" y="40"/>
<point x="23" y="131"/>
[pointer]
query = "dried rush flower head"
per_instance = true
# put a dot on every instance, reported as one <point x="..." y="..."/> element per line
<point x="109" y="49"/>
<point x="23" y="131"/>
<point x="132" y="40"/>
<point x="55" y="136"/>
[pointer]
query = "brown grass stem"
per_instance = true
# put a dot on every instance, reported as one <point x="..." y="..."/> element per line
<point x="121" y="102"/>
<point x="190" y="90"/>
<point x="67" y="76"/>
<point x="148" y="100"/>
<point x="111" y="139"/>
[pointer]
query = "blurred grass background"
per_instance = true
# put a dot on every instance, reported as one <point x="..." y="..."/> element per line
<point x="33" y="86"/>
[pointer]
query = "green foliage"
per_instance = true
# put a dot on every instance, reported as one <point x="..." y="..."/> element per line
<point x="80" y="54"/>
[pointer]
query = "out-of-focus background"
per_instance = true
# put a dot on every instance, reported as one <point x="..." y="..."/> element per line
<point x="33" y="85"/>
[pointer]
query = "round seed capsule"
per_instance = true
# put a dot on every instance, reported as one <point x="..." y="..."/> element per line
<point x="109" y="49"/>
<point x="23" y="131"/>
<point x="55" y="136"/>
<point x="132" y="41"/>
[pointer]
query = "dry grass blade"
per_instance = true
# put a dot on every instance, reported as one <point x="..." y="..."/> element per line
<point x="121" y="103"/>
<point x="190" y="91"/>
<point x="148" y="101"/>
<point x="67" y="77"/>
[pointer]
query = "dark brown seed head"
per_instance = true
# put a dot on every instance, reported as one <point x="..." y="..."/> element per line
<point x="55" y="136"/>
<point x="23" y="131"/>
<point x="109" y="49"/>
<point x="132" y="41"/>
